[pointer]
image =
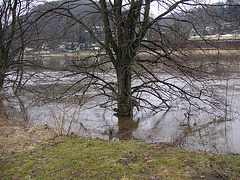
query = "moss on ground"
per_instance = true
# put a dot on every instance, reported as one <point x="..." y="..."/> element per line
<point x="84" y="158"/>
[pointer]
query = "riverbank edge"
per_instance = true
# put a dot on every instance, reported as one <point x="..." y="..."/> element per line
<point x="39" y="153"/>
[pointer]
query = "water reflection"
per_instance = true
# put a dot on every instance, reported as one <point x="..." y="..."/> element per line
<point x="203" y="132"/>
<point x="126" y="126"/>
<point x="216" y="136"/>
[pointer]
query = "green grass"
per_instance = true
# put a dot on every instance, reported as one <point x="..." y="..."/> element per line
<point x="83" y="158"/>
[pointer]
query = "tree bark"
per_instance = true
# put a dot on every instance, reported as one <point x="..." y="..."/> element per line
<point x="124" y="75"/>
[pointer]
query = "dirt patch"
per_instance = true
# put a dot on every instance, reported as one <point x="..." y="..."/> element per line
<point x="16" y="138"/>
<point x="216" y="176"/>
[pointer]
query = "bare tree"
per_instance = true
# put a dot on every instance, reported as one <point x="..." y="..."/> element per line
<point x="11" y="49"/>
<point x="11" y="32"/>
<point x="139" y="48"/>
<point x="16" y="32"/>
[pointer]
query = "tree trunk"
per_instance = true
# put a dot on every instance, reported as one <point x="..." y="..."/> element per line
<point x="1" y="81"/>
<point x="124" y="91"/>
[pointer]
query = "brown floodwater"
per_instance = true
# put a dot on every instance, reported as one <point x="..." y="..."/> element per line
<point x="189" y="128"/>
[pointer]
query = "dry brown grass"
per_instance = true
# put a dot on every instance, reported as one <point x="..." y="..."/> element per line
<point x="201" y="61"/>
<point x="17" y="138"/>
<point x="213" y="51"/>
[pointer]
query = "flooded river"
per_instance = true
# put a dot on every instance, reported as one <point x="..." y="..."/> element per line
<point x="189" y="128"/>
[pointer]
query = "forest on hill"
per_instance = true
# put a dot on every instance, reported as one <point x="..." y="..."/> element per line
<point x="64" y="33"/>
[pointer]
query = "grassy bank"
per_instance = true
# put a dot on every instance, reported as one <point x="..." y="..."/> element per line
<point x="83" y="158"/>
